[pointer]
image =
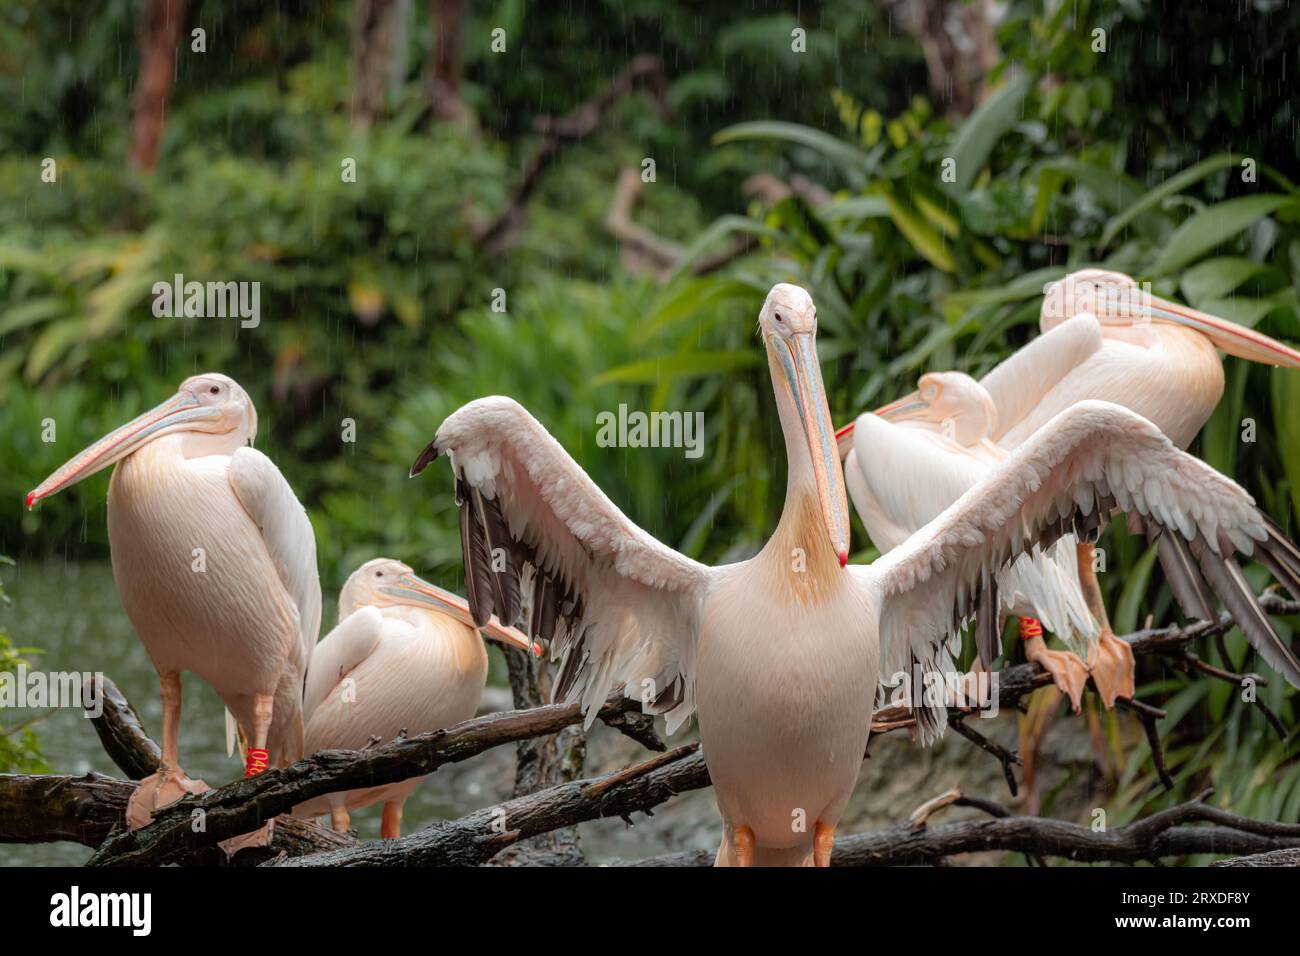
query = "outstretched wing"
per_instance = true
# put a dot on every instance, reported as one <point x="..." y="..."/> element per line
<point x="618" y="606"/>
<point x="900" y="478"/>
<point x="1067" y="478"/>
<point x="288" y="536"/>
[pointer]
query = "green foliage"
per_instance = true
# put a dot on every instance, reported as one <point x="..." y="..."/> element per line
<point x="20" y="751"/>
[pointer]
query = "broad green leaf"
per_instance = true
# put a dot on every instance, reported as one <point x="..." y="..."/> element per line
<point x="53" y="341"/>
<point x="925" y="239"/>
<point x="684" y="299"/>
<point x="32" y="312"/>
<point x="721" y="227"/>
<point x="689" y="365"/>
<point x="1240" y="309"/>
<point x="853" y="162"/>
<point x="1136" y="583"/>
<point x="1215" y="278"/>
<point x="1212" y="226"/>
<point x="1174" y="184"/>
<point x="984" y="127"/>
<point x="855" y="207"/>
<point x="1286" y="419"/>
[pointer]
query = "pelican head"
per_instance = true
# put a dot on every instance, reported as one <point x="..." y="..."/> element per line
<point x="1118" y="300"/>
<point x="952" y="401"/>
<point x="788" y="322"/>
<point x="216" y="415"/>
<point x="383" y="582"/>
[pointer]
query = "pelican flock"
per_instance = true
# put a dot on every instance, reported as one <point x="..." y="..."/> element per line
<point x="984" y="498"/>
<point x="779" y="657"/>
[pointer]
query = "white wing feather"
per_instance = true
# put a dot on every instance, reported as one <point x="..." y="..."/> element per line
<point x="339" y="653"/>
<point x="1087" y="457"/>
<point x="288" y="536"/>
<point x="629" y="605"/>
<point x="901" y="478"/>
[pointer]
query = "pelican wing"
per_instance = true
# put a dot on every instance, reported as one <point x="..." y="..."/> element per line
<point x="1021" y="381"/>
<point x="1067" y="478"/>
<point x="902" y="477"/>
<point x="287" y="534"/>
<point x="338" y="654"/>
<point x="618" y="606"/>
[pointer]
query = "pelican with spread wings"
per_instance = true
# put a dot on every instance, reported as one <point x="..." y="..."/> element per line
<point x="779" y="657"/>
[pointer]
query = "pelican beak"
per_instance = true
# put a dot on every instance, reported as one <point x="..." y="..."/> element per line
<point x="1232" y="338"/>
<point x="803" y="376"/>
<point x="909" y="406"/>
<point x="180" y="409"/>
<point x="412" y="589"/>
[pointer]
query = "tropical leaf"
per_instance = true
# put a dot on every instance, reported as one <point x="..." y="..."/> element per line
<point x="1214" y="225"/>
<point x="984" y="127"/>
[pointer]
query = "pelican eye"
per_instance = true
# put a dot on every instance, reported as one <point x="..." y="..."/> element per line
<point x="215" y="389"/>
<point x="778" y="316"/>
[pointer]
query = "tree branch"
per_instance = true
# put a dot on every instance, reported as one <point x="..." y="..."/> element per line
<point x="120" y="730"/>
<point x="87" y="809"/>
<point x="476" y="838"/>
<point x="244" y="805"/>
<point x="1168" y="833"/>
<point x="644" y="72"/>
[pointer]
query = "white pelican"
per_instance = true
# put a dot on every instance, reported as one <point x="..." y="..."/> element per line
<point x="918" y="456"/>
<point x="215" y="561"/>
<point x="404" y="657"/>
<point x="779" y="655"/>
<point x="1106" y="338"/>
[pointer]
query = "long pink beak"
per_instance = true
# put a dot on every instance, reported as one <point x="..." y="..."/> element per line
<point x="903" y="408"/>
<point x="181" y="408"/>
<point x="803" y="375"/>
<point x="416" y="590"/>
<point x="1232" y="338"/>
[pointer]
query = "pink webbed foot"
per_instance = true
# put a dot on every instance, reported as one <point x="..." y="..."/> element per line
<point x="159" y="790"/>
<point x="1114" y="670"/>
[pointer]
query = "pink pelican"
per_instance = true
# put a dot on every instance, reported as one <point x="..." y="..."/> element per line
<point x="918" y="456"/>
<point x="405" y="657"/>
<point x="779" y="656"/>
<point x="215" y="561"/>
<point x="1105" y="337"/>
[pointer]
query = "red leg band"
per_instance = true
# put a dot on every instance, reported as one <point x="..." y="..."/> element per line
<point x="256" y="761"/>
<point x="1029" y="627"/>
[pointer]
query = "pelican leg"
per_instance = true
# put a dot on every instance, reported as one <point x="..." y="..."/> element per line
<point x="391" y="824"/>
<point x="823" y="843"/>
<point x="169" y="783"/>
<point x="1113" y="667"/>
<point x="742" y="843"/>
<point x="340" y="822"/>
<point x="258" y="759"/>
<point x="1069" y="673"/>
<point x="256" y="762"/>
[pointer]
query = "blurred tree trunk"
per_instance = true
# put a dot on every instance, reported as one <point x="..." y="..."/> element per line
<point x="960" y="48"/>
<point x="158" y="36"/>
<point x="374" y="24"/>
<point x="447" y="67"/>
